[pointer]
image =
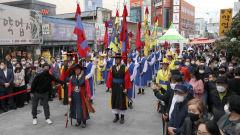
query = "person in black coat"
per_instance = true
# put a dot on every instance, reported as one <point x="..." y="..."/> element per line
<point x="180" y="110"/>
<point x="218" y="98"/>
<point x="234" y="84"/>
<point x="40" y="88"/>
<point x="6" y="86"/>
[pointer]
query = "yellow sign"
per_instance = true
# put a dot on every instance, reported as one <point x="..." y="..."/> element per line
<point x="47" y="56"/>
<point x="225" y="21"/>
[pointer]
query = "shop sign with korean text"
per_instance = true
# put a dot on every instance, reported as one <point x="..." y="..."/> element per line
<point x="225" y="21"/>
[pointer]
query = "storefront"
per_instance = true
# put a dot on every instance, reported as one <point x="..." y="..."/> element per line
<point x="58" y="35"/>
<point x="21" y="34"/>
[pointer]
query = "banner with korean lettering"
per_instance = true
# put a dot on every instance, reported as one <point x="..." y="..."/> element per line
<point x="20" y="26"/>
<point x="225" y="21"/>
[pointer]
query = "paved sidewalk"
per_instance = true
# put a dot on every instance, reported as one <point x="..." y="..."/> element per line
<point x="142" y="120"/>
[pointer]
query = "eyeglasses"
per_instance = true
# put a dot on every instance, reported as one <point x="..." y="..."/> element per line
<point x="202" y="133"/>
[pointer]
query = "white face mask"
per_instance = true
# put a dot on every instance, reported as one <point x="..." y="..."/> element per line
<point x="14" y="63"/>
<point x="172" y="86"/>
<point x="193" y="62"/>
<point x="220" y="89"/>
<point x="179" y="98"/>
<point x="42" y="62"/>
<point x="230" y="68"/>
<point x="201" y="71"/>
<point x="226" y="109"/>
<point x="201" y="64"/>
<point x="187" y="63"/>
<point x="24" y="62"/>
<point x="177" y="66"/>
<point x="1" y="67"/>
<point x="36" y="65"/>
<point x="223" y="61"/>
<point x="193" y="79"/>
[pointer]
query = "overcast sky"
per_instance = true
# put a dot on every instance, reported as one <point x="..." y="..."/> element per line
<point x="201" y="6"/>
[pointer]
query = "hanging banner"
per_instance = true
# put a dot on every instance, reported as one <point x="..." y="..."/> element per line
<point x="225" y="21"/>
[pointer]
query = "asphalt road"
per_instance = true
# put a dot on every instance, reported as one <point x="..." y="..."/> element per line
<point x="141" y="120"/>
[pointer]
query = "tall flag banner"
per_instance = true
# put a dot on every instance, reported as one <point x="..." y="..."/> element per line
<point x="138" y="38"/>
<point x="124" y="34"/>
<point x="130" y="41"/>
<point x="82" y="44"/>
<point x="154" y="40"/>
<point x="225" y="21"/>
<point x="105" y="41"/>
<point x="146" y="33"/>
<point x="114" y="39"/>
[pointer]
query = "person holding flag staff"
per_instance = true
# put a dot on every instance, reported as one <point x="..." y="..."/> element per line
<point x="89" y="72"/>
<point x="79" y="94"/>
<point x="119" y="82"/>
<point x="132" y="67"/>
<point x="101" y="69"/>
<point x="141" y="80"/>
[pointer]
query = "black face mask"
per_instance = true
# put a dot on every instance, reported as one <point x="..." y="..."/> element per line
<point x="193" y="117"/>
<point x="222" y="72"/>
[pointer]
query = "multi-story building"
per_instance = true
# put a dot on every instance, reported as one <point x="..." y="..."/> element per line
<point x="178" y="12"/>
<point x="236" y="8"/>
<point x="199" y="27"/>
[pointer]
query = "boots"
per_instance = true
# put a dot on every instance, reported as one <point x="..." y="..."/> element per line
<point x="130" y="105"/>
<point x="116" y="118"/>
<point x="142" y="91"/>
<point x="107" y="90"/>
<point x="84" y="124"/>
<point x="139" y="91"/>
<point x="122" y="119"/>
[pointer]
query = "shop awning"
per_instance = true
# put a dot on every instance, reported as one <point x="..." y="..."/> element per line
<point x="202" y="41"/>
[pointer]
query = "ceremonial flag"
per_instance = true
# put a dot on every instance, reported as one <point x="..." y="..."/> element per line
<point x="124" y="34"/>
<point x="146" y="33"/>
<point x="154" y="40"/>
<point x="130" y="40"/>
<point x="114" y="39"/>
<point x="82" y="44"/>
<point x="105" y="41"/>
<point x="138" y="38"/>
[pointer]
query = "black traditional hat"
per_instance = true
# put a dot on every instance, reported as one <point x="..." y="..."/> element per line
<point x="78" y="66"/>
<point x="118" y="55"/>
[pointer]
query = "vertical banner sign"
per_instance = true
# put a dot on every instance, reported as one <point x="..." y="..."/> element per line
<point x="225" y="21"/>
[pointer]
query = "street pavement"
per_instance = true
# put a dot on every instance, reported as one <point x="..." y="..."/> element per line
<point x="141" y="120"/>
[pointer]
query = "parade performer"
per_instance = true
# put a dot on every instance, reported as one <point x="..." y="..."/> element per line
<point x="158" y="59"/>
<point x="132" y="67"/>
<point x="66" y="73"/>
<point x="89" y="72"/>
<point x="79" y="93"/>
<point x="40" y="88"/>
<point x="101" y="69"/>
<point x="150" y="69"/>
<point x="171" y="60"/>
<point x="108" y="63"/>
<point x="141" y="80"/>
<point x="118" y="83"/>
<point x="163" y="75"/>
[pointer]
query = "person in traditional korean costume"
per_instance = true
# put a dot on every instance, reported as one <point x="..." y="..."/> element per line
<point x="89" y="72"/>
<point x="108" y="63"/>
<point x="118" y="83"/>
<point x="79" y="94"/>
<point x="101" y="69"/>
<point x="158" y="59"/>
<point x="141" y="77"/>
<point x="132" y="67"/>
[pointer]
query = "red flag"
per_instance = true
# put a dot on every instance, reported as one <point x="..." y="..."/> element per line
<point x="82" y="44"/>
<point x="105" y="42"/>
<point x="138" y="39"/>
<point x="166" y="44"/>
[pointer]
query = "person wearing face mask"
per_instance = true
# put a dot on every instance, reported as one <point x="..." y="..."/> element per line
<point x="8" y="60"/>
<point x="234" y="84"/>
<point x="231" y="67"/>
<point x="197" y="84"/>
<point x="6" y="86"/>
<point x="165" y="100"/>
<point x="40" y="88"/>
<point x="223" y="61"/>
<point x="14" y="62"/>
<point x="218" y="98"/>
<point x="190" y="53"/>
<point x="19" y="85"/>
<point x="222" y="71"/>
<point x="213" y="66"/>
<point x="182" y="69"/>
<point x="171" y="60"/>
<point x="23" y="62"/>
<point x="188" y="65"/>
<point x="229" y="122"/>
<point x="180" y="110"/>
<point x="42" y="62"/>
<point x="195" y="115"/>
<point x="38" y="68"/>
